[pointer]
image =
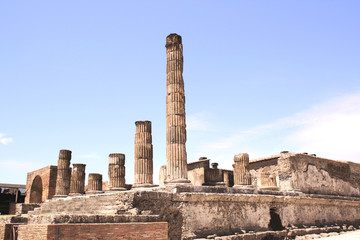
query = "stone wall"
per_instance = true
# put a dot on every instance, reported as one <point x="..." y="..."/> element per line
<point x="134" y="231"/>
<point x="196" y="171"/>
<point x="200" y="173"/>
<point x="192" y="214"/>
<point x="307" y="174"/>
<point x="47" y="175"/>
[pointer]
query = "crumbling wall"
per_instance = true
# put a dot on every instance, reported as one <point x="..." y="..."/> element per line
<point x="47" y="175"/>
<point x="196" y="172"/>
<point x="200" y="214"/>
<point x="307" y="174"/>
<point x="318" y="175"/>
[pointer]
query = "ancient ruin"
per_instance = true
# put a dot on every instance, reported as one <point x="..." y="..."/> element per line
<point x="117" y="171"/>
<point x="77" y="185"/>
<point x="242" y="175"/>
<point x="143" y="155"/>
<point x="94" y="183"/>
<point x="176" y="159"/>
<point x="63" y="174"/>
<point x="277" y="197"/>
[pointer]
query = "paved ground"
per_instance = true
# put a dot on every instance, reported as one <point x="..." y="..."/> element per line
<point x="345" y="236"/>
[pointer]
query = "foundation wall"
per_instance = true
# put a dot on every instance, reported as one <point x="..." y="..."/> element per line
<point x="135" y="231"/>
<point x="193" y="215"/>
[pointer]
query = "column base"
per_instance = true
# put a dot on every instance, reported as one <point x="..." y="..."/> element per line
<point x="60" y="196"/>
<point x="274" y="188"/>
<point x="177" y="181"/>
<point x="140" y="185"/>
<point x="243" y="186"/>
<point x="94" y="192"/>
<point x="117" y="189"/>
<point x="76" y="194"/>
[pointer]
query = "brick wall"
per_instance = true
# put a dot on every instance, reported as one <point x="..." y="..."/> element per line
<point x="6" y="231"/>
<point x="48" y="178"/>
<point x="128" y="231"/>
<point x="2" y="231"/>
<point x="32" y="232"/>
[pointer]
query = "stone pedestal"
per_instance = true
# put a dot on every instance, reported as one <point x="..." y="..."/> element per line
<point x="143" y="155"/>
<point x="176" y="164"/>
<point x="77" y="185"/>
<point x="94" y="183"/>
<point x="242" y="178"/>
<point x="63" y="174"/>
<point x="117" y="172"/>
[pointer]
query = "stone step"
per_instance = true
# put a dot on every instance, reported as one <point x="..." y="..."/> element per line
<point x="107" y="204"/>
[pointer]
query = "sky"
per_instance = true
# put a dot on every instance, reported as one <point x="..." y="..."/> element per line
<point x="260" y="77"/>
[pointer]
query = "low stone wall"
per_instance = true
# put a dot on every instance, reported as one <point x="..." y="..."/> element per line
<point x="193" y="215"/>
<point x="23" y="208"/>
<point x="131" y="231"/>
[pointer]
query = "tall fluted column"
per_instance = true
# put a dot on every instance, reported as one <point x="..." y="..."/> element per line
<point x="143" y="155"/>
<point x="94" y="183"/>
<point x="176" y="164"/>
<point x="63" y="174"/>
<point x="242" y="176"/>
<point x="77" y="185"/>
<point x="117" y="172"/>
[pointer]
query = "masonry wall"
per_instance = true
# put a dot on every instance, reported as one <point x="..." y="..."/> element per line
<point x="193" y="215"/>
<point x="131" y="231"/>
<point x="307" y="174"/>
<point x="48" y="179"/>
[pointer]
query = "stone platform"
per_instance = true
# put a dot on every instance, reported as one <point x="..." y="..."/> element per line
<point x="197" y="212"/>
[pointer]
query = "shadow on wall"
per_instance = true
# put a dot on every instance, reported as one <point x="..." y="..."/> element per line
<point x="275" y="221"/>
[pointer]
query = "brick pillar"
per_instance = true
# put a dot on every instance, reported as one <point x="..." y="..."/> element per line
<point x="117" y="172"/>
<point x="63" y="174"/>
<point x="94" y="183"/>
<point x="143" y="155"/>
<point x="242" y="176"/>
<point x="77" y="185"/>
<point x="176" y="164"/>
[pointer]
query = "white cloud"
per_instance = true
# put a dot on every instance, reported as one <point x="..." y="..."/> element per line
<point x="330" y="129"/>
<point x="5" y="140"/>
<point x="201" y="121"/>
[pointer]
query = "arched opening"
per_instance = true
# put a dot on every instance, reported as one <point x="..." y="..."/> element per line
<point x="36" y="190"/>
<point x="275" y="221"/>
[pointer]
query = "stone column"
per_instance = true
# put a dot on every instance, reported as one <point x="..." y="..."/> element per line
<point x="143" y="155"/>
<point x="77" y="185"/>
<point x="117" y="172"/>
<point x="242" y="176"/>
<point x="94" y="183"/>
<point x="63" y="174"/>
<point x="176" y="164"/>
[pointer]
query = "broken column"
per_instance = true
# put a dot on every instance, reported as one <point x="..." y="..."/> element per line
<point x="94" y="183"/>
<point x="63" y="174"/>
<point x="242" y="176"/>
<point x="143" y="155"/>
<point x="77" y="185"/>
<point x="117" y="172"/>
<point x="176" y="164"/>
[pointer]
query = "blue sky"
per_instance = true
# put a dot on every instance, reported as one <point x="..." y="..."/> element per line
<point x="260" y="77"/>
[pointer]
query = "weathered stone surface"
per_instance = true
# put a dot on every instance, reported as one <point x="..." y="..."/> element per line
<point x="176" y="165"/>
<point x="242" y="175"/>
<point x="306" y="173"/>
<point x="117" y="172"/>
<point x="143" y="155"/>
<point x="77" y="185"/>
<point x="94" y="183"/>
<point x="63" y="173"/>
